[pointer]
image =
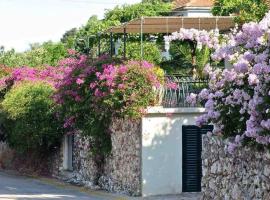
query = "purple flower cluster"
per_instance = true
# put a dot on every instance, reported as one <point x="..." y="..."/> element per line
<point x="237" y="101"/>
<point x="201" y="37"/>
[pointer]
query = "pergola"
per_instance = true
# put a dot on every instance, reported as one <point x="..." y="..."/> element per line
<point x="169" y="24"/>
<point x="173" y="24"/>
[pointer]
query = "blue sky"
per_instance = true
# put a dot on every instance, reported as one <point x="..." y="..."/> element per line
<point x="29" y="21"/>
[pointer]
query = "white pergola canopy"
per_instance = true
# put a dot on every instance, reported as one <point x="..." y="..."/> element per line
<point x="172" y="24"/>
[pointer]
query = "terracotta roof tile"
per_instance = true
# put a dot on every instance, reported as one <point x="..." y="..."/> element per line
<point x="193" y="3"/>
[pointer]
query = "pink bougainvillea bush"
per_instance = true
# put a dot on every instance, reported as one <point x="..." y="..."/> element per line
<point x="49" y="75"/>
<point x="86" y="94"/>
<point x="91" y="94"/>
<point x="238" y="98"/>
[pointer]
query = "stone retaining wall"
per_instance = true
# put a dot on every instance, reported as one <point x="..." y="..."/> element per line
<point x="122" y="169"/>
<point x="6" y="155"/>
<point x="245" y="175"/>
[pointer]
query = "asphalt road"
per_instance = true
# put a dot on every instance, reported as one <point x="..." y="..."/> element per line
<point x="20" y="188"/>
<point x="14" y="187"/>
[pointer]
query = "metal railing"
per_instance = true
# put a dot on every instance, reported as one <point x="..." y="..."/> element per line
<point x="185" y="85"/>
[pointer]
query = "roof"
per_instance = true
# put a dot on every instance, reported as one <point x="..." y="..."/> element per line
<point x="267" y="2"/>
<point x="193" y="3"/>
<point x="172" y="24"/>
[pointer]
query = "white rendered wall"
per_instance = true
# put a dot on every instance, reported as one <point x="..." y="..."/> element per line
<point x="199" y="13"/>
<point x="194" y="12"/>
<point x="67" y="152"/>
<point x="162" y="149"/>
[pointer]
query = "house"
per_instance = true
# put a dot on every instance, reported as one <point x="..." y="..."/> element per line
<point x="161" y="152"/>
<point x="193" y="8"/>
<point x="157" y="155"/>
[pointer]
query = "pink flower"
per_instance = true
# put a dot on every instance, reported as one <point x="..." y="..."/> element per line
<point x="69" y="122"/>
<point x="111" y="90"/>
<point x="98" y="74"/>
<point x="122" y="69"/>
<point x="172" y="85"/>
<point x="78" y="98"/>
<point x="71" y="52"/>
<point x="79" y="81"/>
<point x="92" y="85"/>
<point x="98" y="93"/>
<point x="121" y="86"/>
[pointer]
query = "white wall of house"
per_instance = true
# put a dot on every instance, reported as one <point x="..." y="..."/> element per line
<point x="162" y="148"/>
<point x="194" y="12"/>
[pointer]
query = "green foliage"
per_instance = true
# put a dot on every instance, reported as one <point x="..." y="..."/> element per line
<point x="86" y="37"/>
<point x="30" y="117"/>
<point x="181" y="52"/>
<point x="157" y="1"/>
<point x="246" y="11"/>
<point x="151" y="52"/>
<point x="69" y="38"/>
<point x="48" y="53"/>
<point x="125" y="13"/>
<point x="10" y="58"/>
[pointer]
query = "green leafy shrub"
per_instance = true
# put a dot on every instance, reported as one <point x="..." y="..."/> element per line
<point x="245" y="11"/>
<point x="5" y="71"/>
<point x="29" y="111"/>
<point x="151" y="52"/>
<point x="181" y="57"/>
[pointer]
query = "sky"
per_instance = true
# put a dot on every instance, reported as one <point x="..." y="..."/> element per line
<point x="29" y="21"/>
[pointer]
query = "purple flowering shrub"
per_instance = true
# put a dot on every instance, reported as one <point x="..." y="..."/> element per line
<point x="192" y="48"/>
<point x="237" y="100"/>
<point x="91" y="95"/>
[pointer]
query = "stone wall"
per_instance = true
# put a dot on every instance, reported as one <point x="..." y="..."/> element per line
<point x="83" y="164"/>
<point x="243" y="175"/>
<point x="6" y="155"/>
<point x="56" y="162"/>
<point x="122" y="169"/>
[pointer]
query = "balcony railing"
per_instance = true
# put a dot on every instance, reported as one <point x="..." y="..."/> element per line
<point x="176" y="96"/>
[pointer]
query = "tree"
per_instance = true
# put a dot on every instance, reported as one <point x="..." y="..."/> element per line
<point x="133" y="52"/>
<point x="157" y="1"/>
<point x="86" y="36"/>
<point x="183" y="54"/>
<point x="48" y="53"/>
<point x="148" y="8"/>
<point x="245" y="10"/>
<point x="69" y="37"/>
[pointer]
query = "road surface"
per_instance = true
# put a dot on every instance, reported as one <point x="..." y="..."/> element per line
<point x="20" y="188"/>
<point x="14" y="187"/>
